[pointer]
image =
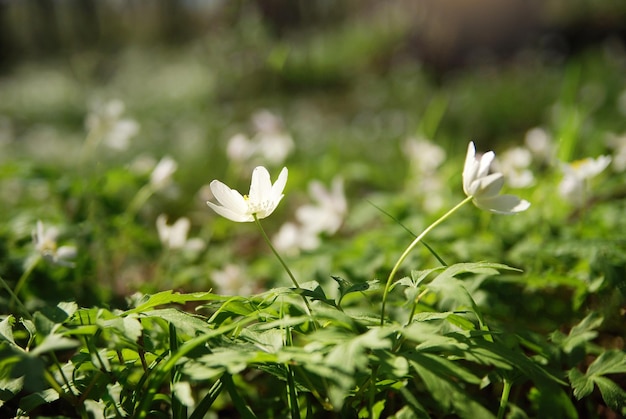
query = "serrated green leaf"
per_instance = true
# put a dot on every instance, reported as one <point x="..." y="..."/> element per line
<point x="581" y="384"/>
<point x="442" y="366"/>
<point x="613" y="394"/>
<point x="609" y="362"/>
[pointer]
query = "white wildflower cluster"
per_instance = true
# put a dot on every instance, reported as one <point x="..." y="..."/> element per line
<point x="105" y="119"/>
<point x="270" y="144"/>
<point x="424" y="158"/>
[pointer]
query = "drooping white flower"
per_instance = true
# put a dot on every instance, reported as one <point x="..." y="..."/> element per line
<point x="45" y="241"/>
<point x="575" y="175"/>
<point x="162" y="174"/>
<point x="261" y="201"/>
<point x="484" y="187"/>
<point x="328" y="211"/>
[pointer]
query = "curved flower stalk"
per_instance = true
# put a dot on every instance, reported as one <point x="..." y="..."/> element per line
<point x="482" y="188"/>
<point x="258" y="204"/>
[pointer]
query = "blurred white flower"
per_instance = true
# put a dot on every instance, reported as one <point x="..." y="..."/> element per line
<point x="618" y="144"/>
<point x="161" y="175"/>
<point x="540" y="144"/>
<point x="514" y="164"/>
<point x="292" y="238"/>
<point x="231" y="280"/>
<point x="424" y="156"/>
<point x="240" y="148"/>
<point x="328" y="211"/>
<point x="484" y="187"/>
<point x="45" y="241"/>
<point x="260" y="202"/>
<point x="175" y="236"/>
<point x="575" y="175"/>
<point x="106" y="120"/>
<point x="270" y="143"/>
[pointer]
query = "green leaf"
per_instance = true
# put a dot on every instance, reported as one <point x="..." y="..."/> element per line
<point x="170" y="297"/>
<point x="53" y="343"/>
<point x="188" y="324"/>
<point x="6" y="329"/>
<point x="609" y="362"/>
<point x="613" y="395"/>
<point x="581" y="384"/>
<point x="35" y="400"/>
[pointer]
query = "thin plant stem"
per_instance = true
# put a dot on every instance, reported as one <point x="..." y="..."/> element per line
<point x="15" y="298"/>
<point x="29" y="269"/>
<point x="280" y="259"/>
<point x="282" y="262"/>
<point x="504" y="399"/>
<point x="410" y="247"/>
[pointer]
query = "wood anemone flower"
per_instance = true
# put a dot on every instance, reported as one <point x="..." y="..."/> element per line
<point x="484" y="187"/>
<point x="260" y="202"/>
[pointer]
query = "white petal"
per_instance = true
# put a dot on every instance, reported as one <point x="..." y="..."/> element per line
<point x="503" y="204"/>
<point x="279" y="186"/>
<point x="470" y="168"/>
<point x="485" y="162"/>
<point x="229" y="198"/>
<point x="260" y="186"/>
<point x="230" y="214"/>
<point x="490" y="185"/>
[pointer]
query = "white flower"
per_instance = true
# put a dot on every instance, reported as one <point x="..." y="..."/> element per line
<point x="106" y="119"/>
<point x="45" y="241"/>
<point x="260" y="202"/>
<point x="575" y="174"/>
<point x="162" y="173"/>
<point x="231" y="280"/>
<point x="424" y="156"/>
<point x="173" y="236"/>
<point x="540" y="144"/>
<point x="240" y="148"/>
<point x="330" y="208"/>
<point x="484" y="187"/>
<point x="514" y="165"/>
<point x="291" y="238"/>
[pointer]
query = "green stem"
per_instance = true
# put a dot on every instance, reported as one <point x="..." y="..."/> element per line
<point x="410" y="247"/>
<point x="282" y="262"/>
<point x="504" y="399"/>
<point x="15" y="298"/>
<point x="280" y="259"/>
